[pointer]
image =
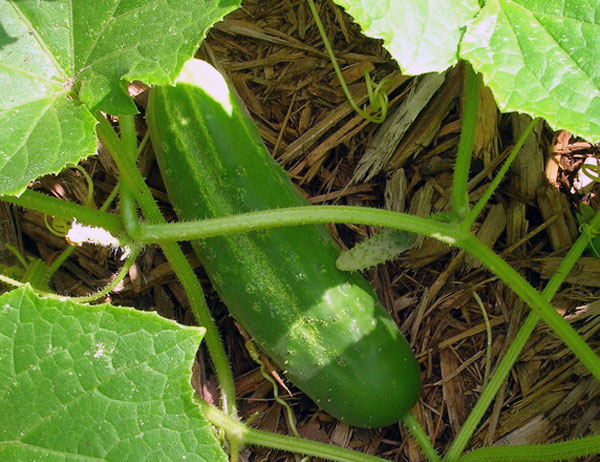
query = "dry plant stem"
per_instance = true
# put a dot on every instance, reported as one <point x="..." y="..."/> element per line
<point x="250" y="436"/>
<point x="133" y="183"/>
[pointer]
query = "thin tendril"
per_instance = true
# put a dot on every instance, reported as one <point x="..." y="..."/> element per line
<point x="588" y="169"/>
<point x="377" y="98"/>
<point x="90" y="183"/>
<point x="251" y="347"/>
<point x="59" y="226"/>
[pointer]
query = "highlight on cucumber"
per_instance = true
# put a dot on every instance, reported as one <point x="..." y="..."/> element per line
<point x="324" y="328"/>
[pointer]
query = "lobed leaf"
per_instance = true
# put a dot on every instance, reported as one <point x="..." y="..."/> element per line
<point x="60" y="60"/>
<point x="421" y="35"/>
<point x="541" y="57"/>
<point x="97" y="382"/>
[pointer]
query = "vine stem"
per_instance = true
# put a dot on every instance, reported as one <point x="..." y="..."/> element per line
<point x="416" y="430"/>
<point x="453" y="234"/>
<point x="133" y="186"/>
<point x="245" y="435"/>
<point x="489" y="392"/>
<point x="460" y="196"/>
<point x="52" y="206"/>
<point x="564" y="450"/>
<point x="294" y="216"/>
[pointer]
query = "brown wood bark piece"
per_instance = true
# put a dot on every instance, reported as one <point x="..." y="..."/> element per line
<point x="516" y="223"/>
<point x="452" y="389"/>
<point x="397" y="123"/>
<point x="534" y="431"/>
<point x="526" y="172"/>
<point x="426" y="127"/>
<point x="489" y="232"/>
<point x="485" y="144"/>
<point x="563" y="231"/>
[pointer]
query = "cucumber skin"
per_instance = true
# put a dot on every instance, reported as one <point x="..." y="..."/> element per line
<point x="324" y="327"/>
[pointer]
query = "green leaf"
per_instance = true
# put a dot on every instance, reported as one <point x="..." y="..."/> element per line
<point x="61" y="59"/>
<point x="422" y="35"/>
<point x="80" y="382"/>
<point x="541" y="57"/>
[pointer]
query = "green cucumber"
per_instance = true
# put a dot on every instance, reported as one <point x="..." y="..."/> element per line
<point x="325" y="328"/>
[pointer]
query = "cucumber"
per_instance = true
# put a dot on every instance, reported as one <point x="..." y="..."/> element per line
<point x="324" y="328"/>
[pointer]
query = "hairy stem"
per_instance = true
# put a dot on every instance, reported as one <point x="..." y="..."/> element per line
<point x="245" y="435"/>
<point x="418" y="433"/>
<point x="460" y="197"/>
<point x="67" y="210"/>
<point x="489" y="392"/>
<point x="294" y="216"/>
<point x="581" y="447"/>
<point x="133" y="185"/>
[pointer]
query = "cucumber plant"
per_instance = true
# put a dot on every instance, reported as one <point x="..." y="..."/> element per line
<point x="59" y="78"/>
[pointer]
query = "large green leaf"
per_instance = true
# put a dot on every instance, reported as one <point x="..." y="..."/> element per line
<point x="421" y="35"/>
<point x="102" y="383"/>
<point x="541" y="57"/>
<point x="53" y="53"/>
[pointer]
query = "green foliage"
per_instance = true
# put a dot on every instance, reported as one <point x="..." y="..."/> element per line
<point x="421" y="35"/>
<point x="540" y="57"/>
<point x="99" y="382"/>
<point x="537" y="56"/>
<point x="51" y="51"/>
<point x="112" y="383"/>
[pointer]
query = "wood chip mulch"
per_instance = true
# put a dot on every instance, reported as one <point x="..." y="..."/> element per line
<point x="273" y="55"/>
